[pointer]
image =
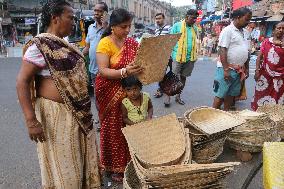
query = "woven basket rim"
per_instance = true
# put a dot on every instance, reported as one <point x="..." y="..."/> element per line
<point x="137" y="137"/>
<point x="234" y="120"/>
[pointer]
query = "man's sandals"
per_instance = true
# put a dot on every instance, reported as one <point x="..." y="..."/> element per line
<point x="180" y="101"/>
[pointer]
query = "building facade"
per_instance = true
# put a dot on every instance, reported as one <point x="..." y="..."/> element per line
<point x="144" y="10"/>
<point x="19" y="19"/>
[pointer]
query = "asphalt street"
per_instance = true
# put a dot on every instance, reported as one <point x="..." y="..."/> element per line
<point x="19" y="167"/>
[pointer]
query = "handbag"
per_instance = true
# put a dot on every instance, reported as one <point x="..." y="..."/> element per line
<point x="171" y="84"/>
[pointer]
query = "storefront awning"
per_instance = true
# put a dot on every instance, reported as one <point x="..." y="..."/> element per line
<point x="275" y="18"/>
<point x="6" y="21"/>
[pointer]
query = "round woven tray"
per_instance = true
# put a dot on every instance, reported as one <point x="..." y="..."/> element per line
<point x="251" y="135"/>
<point x="276" y="113"/>
<point x="211" y="121"/>
<point x="153" y="141"/>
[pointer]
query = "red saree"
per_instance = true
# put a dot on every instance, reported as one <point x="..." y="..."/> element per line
<point x="269" y="88"/>
<point x="114" y="150"/>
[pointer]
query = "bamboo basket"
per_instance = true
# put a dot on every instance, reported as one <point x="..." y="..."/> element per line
<point x="276" y="113"/>
<point x="141" y="168"/>
<point x="208" y="152"/>
<point x="130" y="180"/>
<point x="185" y="176"/>
<point x="251" y="135"/>
<point x="153" y="141"/>
<point x="211" y="121"/>
<point x="205" y="148"/>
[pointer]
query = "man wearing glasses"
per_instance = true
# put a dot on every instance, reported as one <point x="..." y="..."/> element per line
<point x="185" y="52"/>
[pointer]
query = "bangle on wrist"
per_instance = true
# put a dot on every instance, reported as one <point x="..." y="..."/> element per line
<point x="226" y="69"/>
<point x="123" y="72"/>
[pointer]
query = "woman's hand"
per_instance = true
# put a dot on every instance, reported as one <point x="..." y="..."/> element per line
<point x="256" y="75"/>
<point x="35" y="131"/>
<point x="132" y="69"/>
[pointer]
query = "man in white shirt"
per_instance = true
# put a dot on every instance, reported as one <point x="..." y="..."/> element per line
<point x="233" y="65"/>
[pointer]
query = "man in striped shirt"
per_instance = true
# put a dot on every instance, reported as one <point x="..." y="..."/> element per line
<point x="162" y="29"/>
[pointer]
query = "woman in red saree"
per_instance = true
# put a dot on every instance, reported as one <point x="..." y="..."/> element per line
<point x="115" y="53"/>
<point x="269" y="74"/>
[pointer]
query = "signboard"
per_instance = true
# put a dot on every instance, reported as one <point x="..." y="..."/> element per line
<point x="241" y="3"/>
<point x="30" y="21"/>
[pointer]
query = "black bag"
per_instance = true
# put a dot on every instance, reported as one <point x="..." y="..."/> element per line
<point x="171" y="84"/>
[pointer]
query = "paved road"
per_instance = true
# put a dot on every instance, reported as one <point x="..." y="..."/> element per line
<point x="19" y="167"/>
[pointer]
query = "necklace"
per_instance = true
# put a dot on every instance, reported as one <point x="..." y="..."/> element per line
<point x="138" y="108"/>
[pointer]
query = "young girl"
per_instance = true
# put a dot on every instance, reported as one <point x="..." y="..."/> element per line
<point x="137" y="106"/>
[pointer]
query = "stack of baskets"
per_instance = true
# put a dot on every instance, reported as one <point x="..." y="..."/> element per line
<point x="161" y="157"/>
<point x="208" y="130"/>
<point x="251" y="135"/>
<point x="276" y="113"/>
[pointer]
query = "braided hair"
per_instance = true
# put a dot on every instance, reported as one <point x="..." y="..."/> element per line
<point x="51" y="8"/>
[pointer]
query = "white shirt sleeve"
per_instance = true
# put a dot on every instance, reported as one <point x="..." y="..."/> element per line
<point x="225" y="38"/>
<point x="34" y="56"/>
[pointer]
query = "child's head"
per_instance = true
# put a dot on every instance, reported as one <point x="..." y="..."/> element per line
<point x="132" y="86"/>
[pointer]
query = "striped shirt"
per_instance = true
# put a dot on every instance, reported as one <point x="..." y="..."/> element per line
<point x="163" y="30"/>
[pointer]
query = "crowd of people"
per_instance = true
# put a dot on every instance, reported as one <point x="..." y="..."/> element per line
<point x="52" y="86"/>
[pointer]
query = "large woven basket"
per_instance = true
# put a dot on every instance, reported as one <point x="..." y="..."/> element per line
<point x="276" y="113"/>
<point x="205" y="149"/>
<point x="208" y="152"/>
<point x="153" y="141"/>
<point x="211" y="121"/>
<point x="251" y="135"/>
<point x="184" y="176"/>
<point x="131" y="180"/>
<point x="141" y="168"/>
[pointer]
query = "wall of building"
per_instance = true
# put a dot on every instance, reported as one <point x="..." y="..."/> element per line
<point x="144" y="10"/>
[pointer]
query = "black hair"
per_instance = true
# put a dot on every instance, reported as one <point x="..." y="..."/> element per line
<point x="104" y="4"/>
<point x="275" y="25"/>
<point x="192" y="12"/>
<point x="130" y="82"/>
<point x="241" y="12"/>
<point x="160" y="14"/>
<point x="52" y="8"/>
<point x="117" y="17"/>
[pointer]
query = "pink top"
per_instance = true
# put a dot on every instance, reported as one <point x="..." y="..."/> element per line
<point x="34" y="56"/>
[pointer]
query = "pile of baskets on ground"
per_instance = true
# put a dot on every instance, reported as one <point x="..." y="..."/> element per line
<point x="208" y="129"/>
<point x="276" y="113"/>
<point x="161" y="155"/>
<point x="251" y="135"/>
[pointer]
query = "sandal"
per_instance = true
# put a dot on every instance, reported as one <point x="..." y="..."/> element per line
<point x="180" y="101"/>
<point x="117" y="177"/>
<point x="158" y="94"/>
